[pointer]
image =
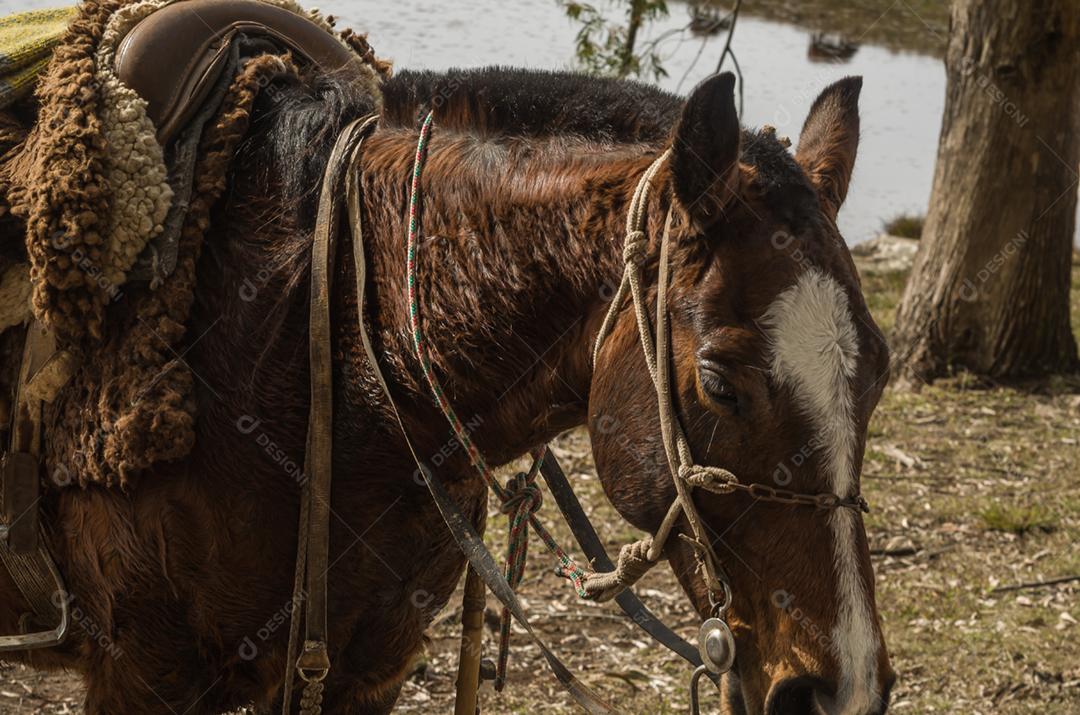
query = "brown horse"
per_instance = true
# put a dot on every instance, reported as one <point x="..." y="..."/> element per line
<point x="181" y="588"/>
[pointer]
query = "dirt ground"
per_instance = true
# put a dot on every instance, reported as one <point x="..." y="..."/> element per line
<point x="976" y="491"/>
<point x="975" y="488"/>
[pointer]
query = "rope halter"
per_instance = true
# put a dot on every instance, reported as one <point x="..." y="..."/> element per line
<point x="635" y="559"/>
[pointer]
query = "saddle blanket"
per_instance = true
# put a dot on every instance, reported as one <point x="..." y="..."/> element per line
<point x="27" y="40"/>
<point x="112" y="210"/>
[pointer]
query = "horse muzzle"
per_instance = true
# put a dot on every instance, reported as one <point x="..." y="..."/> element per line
<point x="813" y="695"/>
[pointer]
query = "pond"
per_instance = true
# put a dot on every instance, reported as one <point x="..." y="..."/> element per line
<point x="901" y="104"/>
<point x="902" y="99"/>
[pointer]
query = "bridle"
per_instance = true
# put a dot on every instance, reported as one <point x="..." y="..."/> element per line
<point x="716" y="645"/>
<point x="715" y="640"/>
<point x="686" y="474"/>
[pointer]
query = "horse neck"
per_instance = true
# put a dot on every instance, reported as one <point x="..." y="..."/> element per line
<point x="520" y="252"/>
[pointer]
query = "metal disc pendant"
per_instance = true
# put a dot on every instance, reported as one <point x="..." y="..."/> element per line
<point x="716" y="645"/>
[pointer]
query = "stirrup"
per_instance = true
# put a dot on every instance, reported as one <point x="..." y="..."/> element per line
<point x="41" y="639"/>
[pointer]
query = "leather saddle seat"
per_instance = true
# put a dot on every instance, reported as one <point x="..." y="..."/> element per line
<point x="175" y="56"/>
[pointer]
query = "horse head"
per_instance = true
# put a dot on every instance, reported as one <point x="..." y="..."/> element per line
<point x="775" y="368"/>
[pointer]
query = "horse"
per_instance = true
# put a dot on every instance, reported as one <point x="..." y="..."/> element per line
<point x="181" y="585"/>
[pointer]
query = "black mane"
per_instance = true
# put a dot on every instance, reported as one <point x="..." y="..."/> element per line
<point x="296" y="125"/>
<point x="507" y="101"/>
<point x="493" y="101"/>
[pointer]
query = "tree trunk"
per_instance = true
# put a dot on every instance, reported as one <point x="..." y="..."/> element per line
<point x="626" y="64"/>
<point x="989" y="291"/>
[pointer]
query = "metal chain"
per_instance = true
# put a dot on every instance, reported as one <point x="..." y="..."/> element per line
<point x="825" y="500"/>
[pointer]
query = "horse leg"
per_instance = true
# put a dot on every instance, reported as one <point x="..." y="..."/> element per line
<point x="155" y="666"/>
<point x="343" y="695"/>
<point x="131" y="688"/>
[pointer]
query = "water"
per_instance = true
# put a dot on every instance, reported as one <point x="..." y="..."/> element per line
<point x="901" y="104"/>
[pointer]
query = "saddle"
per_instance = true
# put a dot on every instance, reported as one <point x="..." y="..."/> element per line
<point x="175" y="57"/>
<point x="181" y="59"/>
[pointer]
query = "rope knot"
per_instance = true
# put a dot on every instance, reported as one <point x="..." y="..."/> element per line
<point x="522" y="493"/>
<point x="633" y="563"/>
<point x="712" y="479"/>
<point x="635" y="248"/>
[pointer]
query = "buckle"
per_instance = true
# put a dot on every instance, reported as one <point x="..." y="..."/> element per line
<point x="313" y="663"/>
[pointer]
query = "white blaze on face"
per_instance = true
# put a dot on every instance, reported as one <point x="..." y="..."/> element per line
<point x="814" y="352"/>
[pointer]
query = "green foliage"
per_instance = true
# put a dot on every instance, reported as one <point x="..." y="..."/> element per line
<point x="1016" y="519"/>
<point x="905" y="226"/>
<point x="611" y="48"/>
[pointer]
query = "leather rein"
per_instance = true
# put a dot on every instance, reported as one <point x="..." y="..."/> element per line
<point x="715" y="652"/>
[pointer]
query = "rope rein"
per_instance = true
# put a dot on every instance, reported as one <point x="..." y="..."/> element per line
<point x="637" y="558"/>
<point x="521" y="497"/>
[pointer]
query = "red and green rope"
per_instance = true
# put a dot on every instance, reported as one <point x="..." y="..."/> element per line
<point x="521" y="497"/>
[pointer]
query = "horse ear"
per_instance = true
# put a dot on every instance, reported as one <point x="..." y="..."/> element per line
<point x="705" y="150"/>
<point x="830" y="139"/>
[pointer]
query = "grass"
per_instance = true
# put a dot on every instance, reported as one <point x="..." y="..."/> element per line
<point x="1017" y="520"/>
<point x="883" y="291"/>
<point x="992" y="499"/>
<point x="905" y="226"/>
<point x="996" y="502"/>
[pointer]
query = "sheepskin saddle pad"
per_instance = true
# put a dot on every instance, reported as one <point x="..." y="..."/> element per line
<point x="108" y="171"/>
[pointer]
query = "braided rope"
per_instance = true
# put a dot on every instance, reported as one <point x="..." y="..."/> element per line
<point x="521" y="498"/>
<point x="685" y="472"/>
<point x="311" y="698"/>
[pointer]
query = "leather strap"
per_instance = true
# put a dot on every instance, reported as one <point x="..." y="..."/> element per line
<point x="593" y="548"/>
<point x="174" y="57"/>
<point x="313" y="551"/>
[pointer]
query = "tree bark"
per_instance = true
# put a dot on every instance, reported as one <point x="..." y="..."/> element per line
<point x="989" y="291"/>
<point x="626" y="64"/>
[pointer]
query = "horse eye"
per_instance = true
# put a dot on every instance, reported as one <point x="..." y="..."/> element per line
<point x="717" y="386"/>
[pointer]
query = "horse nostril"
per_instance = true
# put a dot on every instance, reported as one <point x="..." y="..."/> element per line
<point x="811" y="695"/>
<point x="796" y="696"/>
